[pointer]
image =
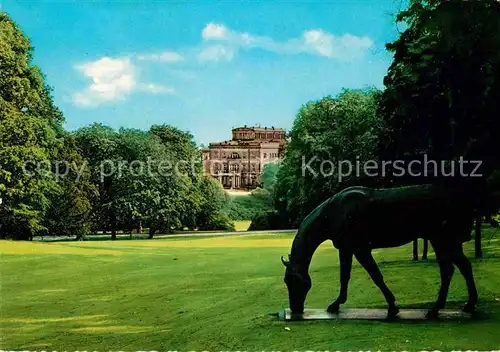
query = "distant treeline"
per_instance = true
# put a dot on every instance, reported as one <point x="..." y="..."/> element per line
<point x="53" y="182"/>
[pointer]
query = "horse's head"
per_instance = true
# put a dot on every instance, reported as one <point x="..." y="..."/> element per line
<point x="298" y="283"/>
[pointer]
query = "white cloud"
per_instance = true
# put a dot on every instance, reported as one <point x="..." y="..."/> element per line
<point x="220" y="43"/>
<point x="346" y="47"/>
<point x="156" y="88"/>
<point x="216" y="53"/>
<point x="166" y="56"/>
<point x="314" y="41"/>
<point x="319" y="42"/>
<point x="214" y="30"/>
<point x="113" y="79"/>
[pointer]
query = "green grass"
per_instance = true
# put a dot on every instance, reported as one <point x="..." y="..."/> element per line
<point x="213" y="294"/>
<point x="242" y="225"/>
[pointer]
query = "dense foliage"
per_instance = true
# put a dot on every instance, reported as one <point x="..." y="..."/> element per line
<point x="53" y="182"/>
<point x="442" y="92"/>
<point x="443" y="86"/>
<point x="30" y="133"/>
<point x="245" y="207"/>
<point x="328" y="139"/>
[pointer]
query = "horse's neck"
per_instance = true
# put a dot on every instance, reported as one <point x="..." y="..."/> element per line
<point x="303" y="248"/>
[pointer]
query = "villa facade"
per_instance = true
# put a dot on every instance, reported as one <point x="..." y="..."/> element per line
<point x="238" y="163"/>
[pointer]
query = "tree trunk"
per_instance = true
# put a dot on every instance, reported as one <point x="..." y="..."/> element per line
<point x="477" y="239"/>
<point x="139" y="227"/>
<point x="152" y="231"/>
<point x="113" y="234"/>
<point x="487" y="217"/>
<point x="426" y="249"/>
<point x="415" y="249"/>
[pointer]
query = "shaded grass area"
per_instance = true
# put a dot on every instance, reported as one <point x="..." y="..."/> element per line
<point x="239" y="225"/>
<point x="217" y="293"/>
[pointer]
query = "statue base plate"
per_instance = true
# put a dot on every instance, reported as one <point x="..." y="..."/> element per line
<point x="368" y="314"/>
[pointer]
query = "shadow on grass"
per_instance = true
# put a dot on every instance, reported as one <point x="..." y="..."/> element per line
<point x="484" y="309"/>
<point x="118" y="239"/>
<point x="432" y="261"/>
<point x="90" y="239"/>
<point x="486" y="312"/>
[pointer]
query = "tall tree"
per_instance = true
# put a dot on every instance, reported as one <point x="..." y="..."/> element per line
<point x="202" y="201"/>
<point x="30" y="131"/>
<point x="70" y="211"/>
<point x="186" y="162"/>
<point x="328" y="139"/>
<point x="443" y="87"/>
<point x="269" y="175"/>
<point x="211" y="216"/>
<point x="99" y="146"/>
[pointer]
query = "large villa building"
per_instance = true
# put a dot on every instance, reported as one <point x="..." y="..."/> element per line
<point x="238" y="163"/>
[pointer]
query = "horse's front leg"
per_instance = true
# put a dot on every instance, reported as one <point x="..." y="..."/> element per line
<point x="464" y="265"/>
<point x="446" y="270"/>
<point x="365" y="258"/>
<point x="345" y="258"/>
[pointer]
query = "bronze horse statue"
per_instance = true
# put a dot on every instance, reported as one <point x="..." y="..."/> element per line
<point x="359" y="219"/>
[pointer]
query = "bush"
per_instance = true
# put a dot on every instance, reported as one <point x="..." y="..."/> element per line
<point x="269" y="220"/>
<point x="245" y="207"/>
<point x="262" y="194"/>
<point x="219" y="222"/>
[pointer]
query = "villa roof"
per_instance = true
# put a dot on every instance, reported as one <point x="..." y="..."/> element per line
<point x="258" y="128"/>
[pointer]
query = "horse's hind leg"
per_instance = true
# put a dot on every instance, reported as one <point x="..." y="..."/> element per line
<point x="446" y="269"/>
<point x="345" y="258"/>
<point x="464" y="265"/>
<point x="426" y="249"/>
<point x="365" y="258"/>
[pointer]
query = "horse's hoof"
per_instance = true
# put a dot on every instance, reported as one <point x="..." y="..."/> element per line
<point x="333" y="308"/>
<point x="392" y="312"/>
<point x="469" y="308"/>
<point x="432" y="314"/>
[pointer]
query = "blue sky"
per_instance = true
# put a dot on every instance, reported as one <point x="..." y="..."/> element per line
<point x="203" y="66"/>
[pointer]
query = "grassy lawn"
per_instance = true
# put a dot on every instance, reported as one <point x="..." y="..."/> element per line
<point x="213" y="294"/>
<point x="242" y="225"/>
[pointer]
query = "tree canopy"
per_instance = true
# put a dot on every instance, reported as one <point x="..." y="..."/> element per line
<point x="442" y="87"/>
<point x="328" y="138"/>
<point x="30" y="134"/>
